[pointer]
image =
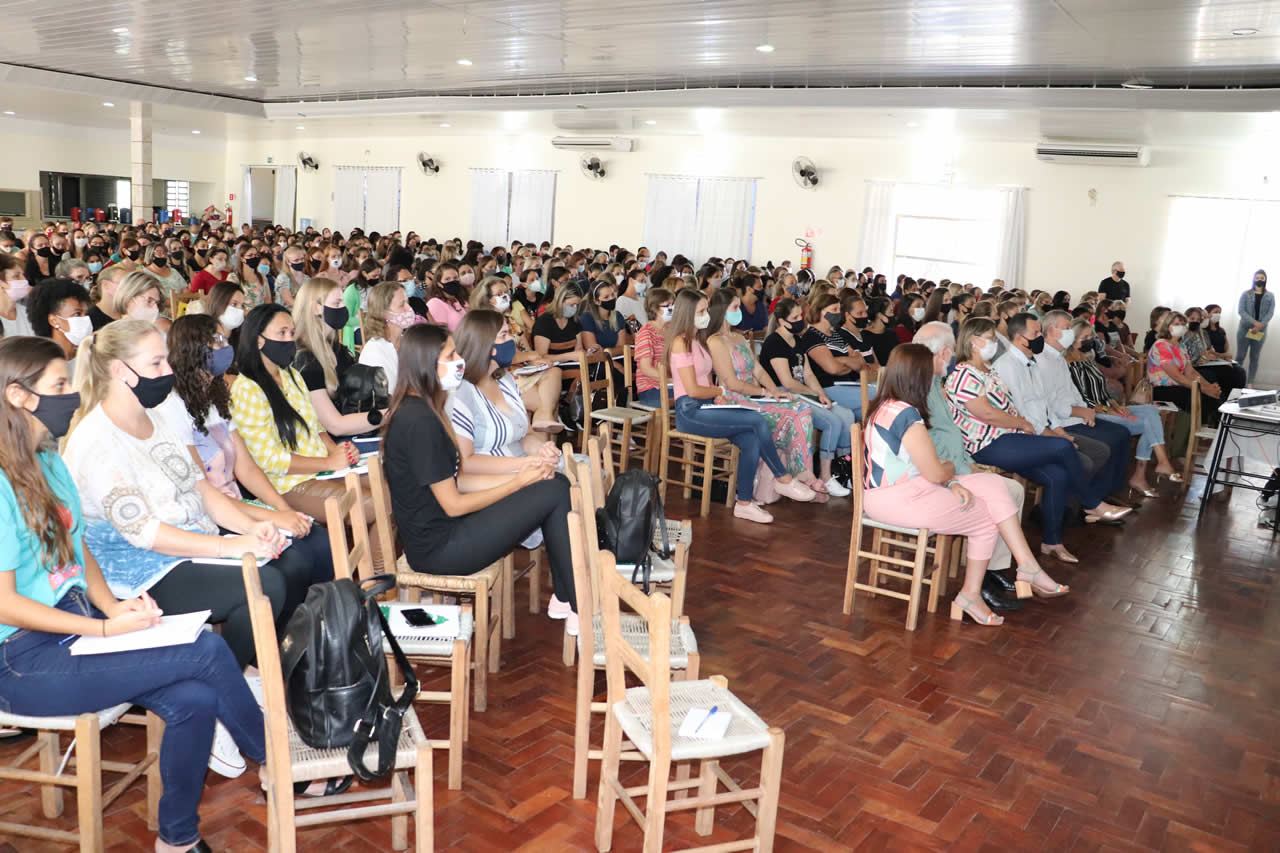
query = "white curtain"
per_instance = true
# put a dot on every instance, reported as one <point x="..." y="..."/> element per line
<point x="490" y="200"/>
<point x="348" y="198"/>
<point x="878" y="227"/>
<point x="726" y="213"/>
<point x="246" y="200"/>
<point x="1011" y="257"/>
<point x="671" y="215"/>
<point x="286" y="195"/>
<point x="382" y="199"/>
<point x="533" y="205"/>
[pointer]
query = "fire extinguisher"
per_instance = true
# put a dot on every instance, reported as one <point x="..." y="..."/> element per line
<point x="228" y="213"/>
<point x="806" y="253"/>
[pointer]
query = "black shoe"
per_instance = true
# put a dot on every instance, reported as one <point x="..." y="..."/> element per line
<point x="332" y="787"/>
<point x="996" y="601"/>
<point x="200" y="846"/>
<point x="1000" y="582"/>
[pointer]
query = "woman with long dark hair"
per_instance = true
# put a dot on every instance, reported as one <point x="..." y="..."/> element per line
<point x="455" y="523"/>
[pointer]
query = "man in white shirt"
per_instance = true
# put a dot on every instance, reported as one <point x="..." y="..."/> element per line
<point x="1036" y="385"/>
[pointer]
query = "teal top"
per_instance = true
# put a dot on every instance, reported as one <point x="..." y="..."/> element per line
<point x="20" y="551"/>
<point x="947" y="438"/>
<point x="351" y="299"/>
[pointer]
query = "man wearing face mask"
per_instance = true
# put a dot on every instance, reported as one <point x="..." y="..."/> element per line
<point x="1114" y="286"/>
<point x="1034" y="374"/>
<point x="1257" y="307"/>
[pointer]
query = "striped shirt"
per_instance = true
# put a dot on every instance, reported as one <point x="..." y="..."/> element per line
<point x="1090" y="382"/>
<point x="887" y="461"/>
<point x="967" y="383"/>
<point x="493" y="431"/>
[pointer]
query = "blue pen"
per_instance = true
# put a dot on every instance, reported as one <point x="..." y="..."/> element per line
<point x="709" y="715"/>
<point x="67" y="639"/>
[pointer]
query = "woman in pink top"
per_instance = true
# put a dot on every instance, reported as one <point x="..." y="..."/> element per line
<point x="691" y="375"/>
<point x="447" y="299"/>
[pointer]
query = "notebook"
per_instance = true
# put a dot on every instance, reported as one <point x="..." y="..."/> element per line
<point x="179" y="630"/>
<point x="706" y="723"/>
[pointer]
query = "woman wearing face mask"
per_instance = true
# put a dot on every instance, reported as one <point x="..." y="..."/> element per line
<point x="996" y="434"/>
<point x="14" y="289"/>
<point x="59" y="309"/>
<point x="834" y="365"/>
<point x="1199" y="351"/>
<point x="631" y="300"/>
<point x="58" y="589"/>
<point x="156" y="263"/>
<point x="451" y="521"/>
<point x="388" y="316"/>
<point x="253" y="272"/>
<point x="1141" y="420"/>
<point x="540" y="391"/>
<point x="1158" y="314"/>
<point x="319" y="317"/>
<point x="356" y="299"/>
<point x="879" y="332"/>
<point x="651" y="346"/>
<point x="138" y="298"/>
<point x="557" y="333"/>
<point x="447" y="300"/>
<point x="856" y="319"/>
<point x="530" y="298"/>
<point x="1256" y="307"/>
<point x="293" y="275"/>
<point x="690" y="369"/>
<point x="755" y="307"/>
<point x="1171" y="373"/>
<point x="214" y="271"/>
<point x="1213" y="327"/>
<point x="225" y="304"/>
<point x="602" y="324"/>
<point x="790" y="421"/>
<point x="40" y="260"/>
<point x="129" y="255"/>
<point x="199" y="256"/>
<point x="910" y="315"/>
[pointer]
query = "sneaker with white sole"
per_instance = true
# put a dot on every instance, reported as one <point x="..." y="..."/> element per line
<point x="557" y="609"/>
<point x="752" y="512"/>
<point x="571" y="624"/>
<point x="225" y="759"/>
<point x="795" y="490"/>
<point x="836" y="489"/>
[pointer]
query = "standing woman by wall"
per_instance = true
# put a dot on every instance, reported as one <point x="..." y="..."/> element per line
<point x="1256" y="308"/>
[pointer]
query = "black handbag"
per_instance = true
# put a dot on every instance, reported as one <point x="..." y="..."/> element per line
<point x="362" y="389"/>
<point x="337" y="685"/>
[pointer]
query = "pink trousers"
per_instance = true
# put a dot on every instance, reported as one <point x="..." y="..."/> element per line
<point x="919" y="503"/>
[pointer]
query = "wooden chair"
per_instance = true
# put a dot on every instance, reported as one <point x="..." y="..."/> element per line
<point x="510" y="574"/>
<point x="1199" y="440"/>
<point x="650" y="716"/>
<point x="290" y="760"/>
<point x="717" y="460"/>
<point x="485" y="587"/>
<point x="91" y="799"/>
<point x="646" y="433"/>
<point x="178" y="302"/>
<point x="866" y="378"/>
<point x="683" y="654"/>
<point x="916" y="541"/>
<point x="450" y="649"/>
<point x="633" y="423"/>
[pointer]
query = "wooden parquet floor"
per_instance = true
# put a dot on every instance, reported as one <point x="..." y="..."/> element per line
<point x="1138" y="714"/>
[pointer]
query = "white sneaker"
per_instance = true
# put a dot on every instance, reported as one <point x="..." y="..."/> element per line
<point x="225" y="759"/>
<point x="557" y="609"/>
<point x="836" y="489"/>
<point x="255" y="687"/>
<point x="571" y="624"/>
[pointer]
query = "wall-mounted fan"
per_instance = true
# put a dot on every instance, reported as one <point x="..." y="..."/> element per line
<point x="592" y="168"/>
<point x="308" y="162"/>
<point x="427" y="164"/>
<point x="805" y="173"/>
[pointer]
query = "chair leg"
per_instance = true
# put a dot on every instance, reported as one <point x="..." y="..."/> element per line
<point x="509" y="597"/>
<point x="851" y="573"/>
<point x="400" y="822"/>
<point x="535" y="579"/>
<point x="688" y="469"/>
<point x="424" y="816"/>
<point x="608" y="797"/>
<point x="89" y="783"/>
<point x="664" y="463"/>
<point x="705" y="816"/>
<point x="155" y="733"/>
<point x="457" y="712"/>
<point x="482" y="648"/>
<point x="50" y="756"/>
<point x="917" y="582"/>
<point x="655" y="807"/>
<point x="624" y="453"/>
<point x="582" y="724"/>
<point x="940" y="559"/>
<point x="731" y="493"/>
<point x="770" y="790"/>
<point x="495" y="637"/>
<point x="690" y="674"/>
<point x="708" y="461"/>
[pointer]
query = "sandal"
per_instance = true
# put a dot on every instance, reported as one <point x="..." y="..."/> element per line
<point x="1026" y="585"/>
<point x="961" y="605"/>
<point x="332" y="787"/>
<point x="1058" y="552"/>
<point x="549" y="427"/>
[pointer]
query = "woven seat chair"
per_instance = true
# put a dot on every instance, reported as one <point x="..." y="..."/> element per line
<point x="633" y="424"/>
<point x="290" y="760"/>
<point x="91" y="799"/>
<point x="718" y="456"/>
<point x="649" y="717"/>
<point x="485" y="587"/>
<point x="420" y="645"/>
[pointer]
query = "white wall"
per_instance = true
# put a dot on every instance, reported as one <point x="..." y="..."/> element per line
<point x="1071" y="239"/>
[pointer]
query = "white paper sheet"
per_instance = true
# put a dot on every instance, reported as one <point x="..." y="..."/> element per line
<point x="177" y="630"/>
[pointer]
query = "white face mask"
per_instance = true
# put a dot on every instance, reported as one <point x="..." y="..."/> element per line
<point x="148" y="313"/>
<point x="453" y="371"/>
<point x="641" y="287"/>
<point x="78" y="328"/>
<point x="1215" y="318"/>
<point x="18" y="288"/>
<point x="701" y="321"/>
<point x="232" y="318"/>
<point x="988" y="351"/>
<point x="1068" y="338"/>
<point x="917" y="314"/>
<point x="81" y="242"/>
<point x="1177" y="331"/>
<point x="502" y="303"/>
<point x="570" y="310"/>
<point x="334" y="263"/>
<point x="667" y="311"/>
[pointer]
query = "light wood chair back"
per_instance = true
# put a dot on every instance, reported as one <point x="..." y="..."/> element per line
<point x="711" y="458"/>
<point x="868" y="376"/>
<point x="354" y="562"/>
<point x="178" y="302"/>
<point x="1199" y="438"/>
<point x="884" y="538"/>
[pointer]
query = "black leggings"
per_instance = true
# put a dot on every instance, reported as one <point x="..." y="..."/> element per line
<point x="482" y="538"/>
<point x="1180" y="396"/>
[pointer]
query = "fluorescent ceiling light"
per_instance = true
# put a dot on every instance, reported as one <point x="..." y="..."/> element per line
<point x="299" y="127"/>
<point x="121" y="31"/>
<point x="9" y="112"/>
<point x="249" y="78"/>
<point x="650" y="121"/>
<point x="107" y="104"/>
<point x="445" y="124"/>
<point x="196" y="132"/>
<point x="765" y="48"/>
<point x="464" y="61"/>
<point x="1245" y="31"/>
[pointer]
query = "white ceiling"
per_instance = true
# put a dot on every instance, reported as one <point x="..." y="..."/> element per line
<point x="326" y="49"/>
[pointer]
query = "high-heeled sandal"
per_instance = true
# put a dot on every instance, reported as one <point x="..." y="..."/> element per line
<point x="958" y="611"/>
<point x="1146" y="493"/>
<point x="1026" y="586"/>
<point x="1175" y="477"/>
<point x="1065" y="556"/>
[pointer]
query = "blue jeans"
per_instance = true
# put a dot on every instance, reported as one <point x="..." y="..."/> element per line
<point x="1111" y="468"/>
<point x="186" y="686"/>
<point x="651" y="397"/>
<point x="1146" y="425"/>
<point x="745" y="428"/>
<point x="1054" y="464"/>
<point x="850" y="396"/>
<point x="1251" y="351"/>
<point x="833" y="429"/>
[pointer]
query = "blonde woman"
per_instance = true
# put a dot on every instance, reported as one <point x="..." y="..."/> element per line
<point x="318" y="316"/>
<point x="540" y="391"/>
<point x="156" y="259"/>
<point x="138" y="297"/>
<point x="382" y="325"/>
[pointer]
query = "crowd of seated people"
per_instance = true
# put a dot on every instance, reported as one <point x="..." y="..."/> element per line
<point x="138" y="424"/>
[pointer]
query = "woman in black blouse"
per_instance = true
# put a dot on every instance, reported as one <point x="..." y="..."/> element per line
<point x="453" y="523"/>
<point x="878" y="333"/>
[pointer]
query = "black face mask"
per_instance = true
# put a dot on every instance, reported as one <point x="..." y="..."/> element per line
<point x="55" y="412"/>
<point x="133" y="256"/>
<point x="453" y="288"/>
<point x="201" y="252"/>
<point x="160" y="262"/>
<point x="280" y="353"/>
<point x="609" y="304"/>
<point x="833" y="319"/>
<point x="45" y="252"/>
<point x="795" y="326"/>
<point x="1261" y="284"/>
<point x="297" y="267"/>
<point x="1036" y="346"/>
<point x="1194" y="325"/>
<point x="151" y="391"/>
<point x="336" y="318"/>
<point x="861" y="322"/>
<point x="1120" y="274"/>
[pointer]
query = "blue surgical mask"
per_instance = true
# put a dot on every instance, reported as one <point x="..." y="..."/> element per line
<point x="263" y="269"/>
<point x="95" y="267"/>
<point x="504" y="353"/>
<point x="733" y="318"/>
<point x="410" y="288"/>
<point x="570" y="310"/>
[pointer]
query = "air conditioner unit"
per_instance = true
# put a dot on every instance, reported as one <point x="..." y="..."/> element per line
<point x="1096" y="155"/>
<point x="593" y="143"/>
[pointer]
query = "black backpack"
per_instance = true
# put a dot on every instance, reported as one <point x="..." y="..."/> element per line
<point x="626" y="523"/>
<point x="337" y="686"/>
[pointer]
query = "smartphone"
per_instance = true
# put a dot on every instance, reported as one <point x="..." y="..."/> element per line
<point x="418" y="618"/>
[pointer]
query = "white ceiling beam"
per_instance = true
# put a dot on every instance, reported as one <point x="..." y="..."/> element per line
<point x="117" y="91"/>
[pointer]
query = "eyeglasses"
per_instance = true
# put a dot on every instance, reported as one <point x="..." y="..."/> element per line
<point x="150" y="301"/>
<point x="219" y="342"/>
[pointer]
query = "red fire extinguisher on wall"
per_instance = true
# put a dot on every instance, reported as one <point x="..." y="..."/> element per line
<point x="228" y="213"/>
<point x="806" y="253"/>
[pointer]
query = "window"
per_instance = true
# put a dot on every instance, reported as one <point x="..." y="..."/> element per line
<point x="512" y="205"/>
<point x="700" y="217"/>
<point x="177" y="196"/>
<point x="367" y="197"/>
<point x="935" y="247"/>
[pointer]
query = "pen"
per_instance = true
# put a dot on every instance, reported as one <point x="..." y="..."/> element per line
<point x="67" y="639"/>
<point x="709" y="715"/>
